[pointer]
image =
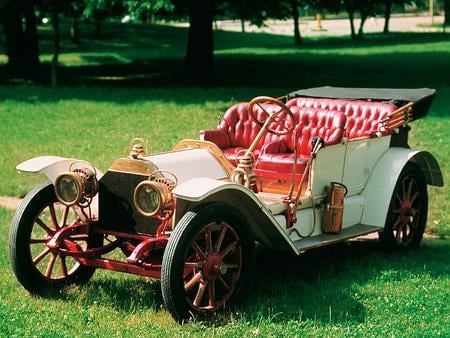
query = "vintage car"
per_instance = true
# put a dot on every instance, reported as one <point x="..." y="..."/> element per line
<point x="308" y="169"/>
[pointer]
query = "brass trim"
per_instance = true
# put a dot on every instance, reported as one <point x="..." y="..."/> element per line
<point x="165" y="198"/>
<point x="211" y="147"/>
<point x="133" y="166"/>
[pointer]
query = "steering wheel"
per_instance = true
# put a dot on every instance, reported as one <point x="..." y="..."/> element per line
<point x="273" y="117"/>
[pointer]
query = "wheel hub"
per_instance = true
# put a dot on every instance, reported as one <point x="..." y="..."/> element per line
<point x="213" y="266"/>
<point x="405" y="211"/>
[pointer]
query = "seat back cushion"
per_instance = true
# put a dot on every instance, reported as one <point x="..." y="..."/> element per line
<point x="363" y="117"/>
<point x="312" y="122"/>
<point x="240" y="128"/>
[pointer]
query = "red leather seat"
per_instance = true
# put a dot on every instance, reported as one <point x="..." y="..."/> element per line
<point x="279" y="155"/>
<point x="237" y="131"/>
<point x="363" y="117"/>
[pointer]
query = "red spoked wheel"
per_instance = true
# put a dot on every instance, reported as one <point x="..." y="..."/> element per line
<point x="36" y="266"/>
<point x="206" y="264"/>
<point x="407" y="215"/>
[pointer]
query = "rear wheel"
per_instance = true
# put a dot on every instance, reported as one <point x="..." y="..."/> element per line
<point x="36" y="220"/>
<point x="407" y="215"/>
<point x="207" y="263"/>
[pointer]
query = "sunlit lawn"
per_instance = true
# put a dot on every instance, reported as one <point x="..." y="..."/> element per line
<point x="342" y="290"/>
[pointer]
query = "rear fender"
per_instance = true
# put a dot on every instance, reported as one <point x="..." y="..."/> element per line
<point x="52" y="166"/>
<point x="263" y="225"/>
<point x="381" y="183"/>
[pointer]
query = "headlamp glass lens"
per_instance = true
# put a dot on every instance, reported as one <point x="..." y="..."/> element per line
<point x="148" y="199"/>
<point x="67" y="189"/>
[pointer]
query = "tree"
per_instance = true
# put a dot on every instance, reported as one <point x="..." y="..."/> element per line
<point x="21" y="38"/>
<point x="387" y="15"/>
<point x="447" y="12"/>
<point x="199" y="61"/>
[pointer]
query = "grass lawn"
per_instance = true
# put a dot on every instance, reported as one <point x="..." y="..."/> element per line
<point x="138" y="89"/>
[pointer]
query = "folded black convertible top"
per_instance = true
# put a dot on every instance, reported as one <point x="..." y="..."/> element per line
<point x="421" y="97"/>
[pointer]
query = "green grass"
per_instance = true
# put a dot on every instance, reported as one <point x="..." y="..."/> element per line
<point x="359" y="292"/>
<point x="138" y="89"/>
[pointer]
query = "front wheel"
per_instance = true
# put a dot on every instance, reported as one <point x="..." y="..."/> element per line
<point x="407" y="215"/>
<point x="208" y="262"/>
<point x="36" y="267"/>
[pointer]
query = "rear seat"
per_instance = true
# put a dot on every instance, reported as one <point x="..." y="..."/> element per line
<point x="363" y="117"/>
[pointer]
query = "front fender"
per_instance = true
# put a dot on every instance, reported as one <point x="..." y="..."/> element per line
<point x="50" y="166"/>
<point x="258" y="217"/>
<point x="381" y="183"/>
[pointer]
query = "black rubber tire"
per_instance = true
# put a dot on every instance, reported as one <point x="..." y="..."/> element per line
<point x="19" y="247"/>
<point x="410" y="175"/>
<point x="187" y="229"/>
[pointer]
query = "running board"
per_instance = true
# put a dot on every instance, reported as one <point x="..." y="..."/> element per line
<point x="326" y="239"/>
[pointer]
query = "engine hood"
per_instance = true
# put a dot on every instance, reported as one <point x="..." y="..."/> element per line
<point x="187" y="164"/>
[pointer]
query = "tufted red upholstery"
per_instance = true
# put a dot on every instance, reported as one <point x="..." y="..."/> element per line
<point x="278" y="155"/>
<point x="363" y="117"/>
<point x="331" y="119"/>
<point x="237" y="130"/>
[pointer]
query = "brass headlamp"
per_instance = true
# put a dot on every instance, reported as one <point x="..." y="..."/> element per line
<point x="153" y="197"/>
<point x="76" y="186"/>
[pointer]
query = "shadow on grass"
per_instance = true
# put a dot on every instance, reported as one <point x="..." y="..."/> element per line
<point x="321" y="285"/>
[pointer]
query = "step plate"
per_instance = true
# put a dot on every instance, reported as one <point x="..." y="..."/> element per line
<point x="325" y="239"/>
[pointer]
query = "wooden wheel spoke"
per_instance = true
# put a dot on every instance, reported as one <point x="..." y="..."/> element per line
<point x="212" y="294"/>
<point x="43" y="225"/>
<point x="227" y="250"/>
<point x="219" y="241"/>
<point x="64" y="216"/>
<point x="193" y="265"/>
<point x="232" y="266"/>
<point x="208" y="241"/>
<point x="194" y="280"/>
<point x="397" y="222"/>
<point x="38" y="240"/>
<point x="200" y="292"/>
<point x="55" y="224"/>
<point x="405" y="231"/>
<point x="399" y="198"/>
<point x="50" y="265"/>
<point x="63" y="266"/>
<point x="398" y="236"/>
<point x="41" y="256"/>
<point x="197" y="249"/>
<point x="224" y="283"/>
<point x="408" y="194"/>
<point x="413" y="198"/>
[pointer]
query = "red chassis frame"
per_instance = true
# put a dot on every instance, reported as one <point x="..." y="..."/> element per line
<point x="138" y="262"/>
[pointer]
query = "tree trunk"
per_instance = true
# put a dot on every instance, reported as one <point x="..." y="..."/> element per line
<point x="199" y="61"/>
<point x="56" y="47"/>
<point x="22" y="44"/>
<point x="387" y="15"/>
<point x="296" y="17"/>
<point x="242" y="25"/>
<point x="361" y="25"/>
<point x="351" y="15"/>
<point x="447" y="12"/>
